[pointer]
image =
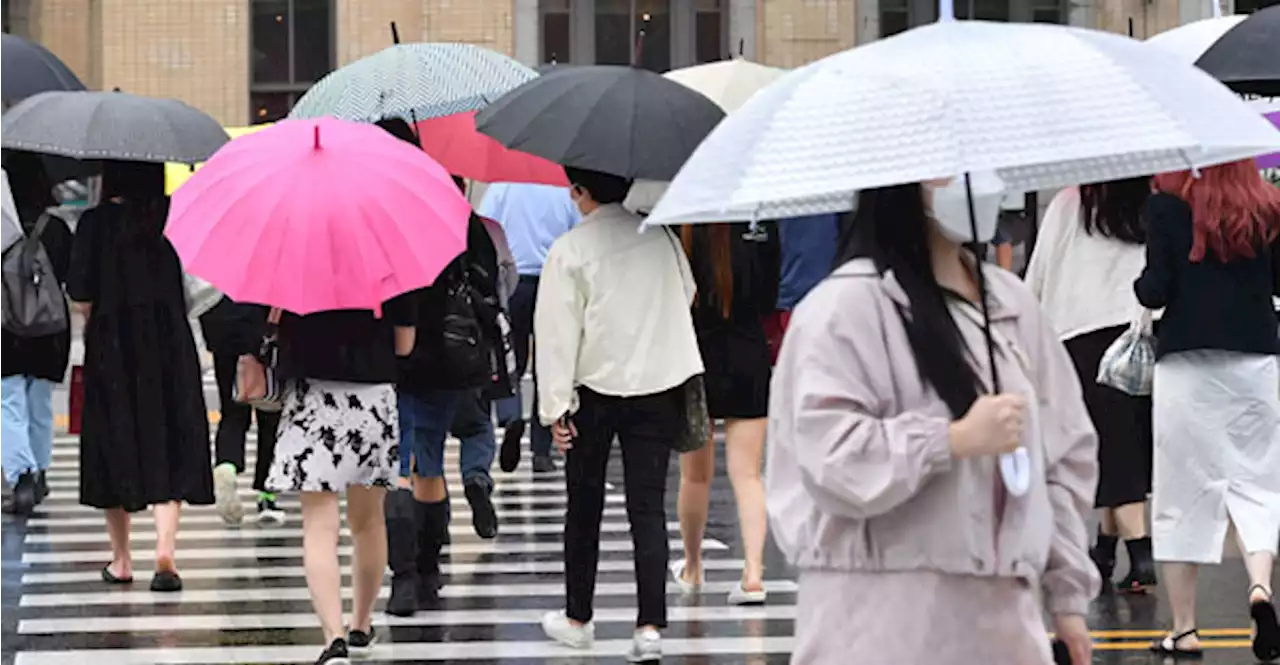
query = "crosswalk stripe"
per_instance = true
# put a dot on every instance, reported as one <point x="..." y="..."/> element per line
<point x="505" y="590"/>
<point x="287" y="552"/>
<point x="206" y="518"/>
<point x="274" y="533"/>
<point x="506" y="567"/>
<point x="68" y="504"/>
<point x="412" y="651"/>
<point x="285" y="620"/>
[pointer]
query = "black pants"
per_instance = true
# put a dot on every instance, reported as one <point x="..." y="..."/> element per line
<point x="235" y="424"/>
<point x="521" y="306"/>
<point x="645" y="427"/>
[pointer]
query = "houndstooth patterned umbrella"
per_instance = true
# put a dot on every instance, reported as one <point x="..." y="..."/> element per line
<point x="414" y="81"/>
<point x="111" y="125"/>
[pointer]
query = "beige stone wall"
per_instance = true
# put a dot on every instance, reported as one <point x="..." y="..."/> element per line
<point x="790" y="33"/>
<point x="364" y="26"/>
<point x="193" y="50"/>
<point x="66" y="28"/>
<point x="487" y="23"/>
<point x="1149" y="16"/>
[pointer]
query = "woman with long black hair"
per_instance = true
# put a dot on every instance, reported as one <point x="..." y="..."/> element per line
<point x="145" y="432"/>
<point x="1090" y="248"/>
<point x="885" y="482"/>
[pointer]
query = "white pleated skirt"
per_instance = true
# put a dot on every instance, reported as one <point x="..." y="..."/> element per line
<point x="1217" y="454"/>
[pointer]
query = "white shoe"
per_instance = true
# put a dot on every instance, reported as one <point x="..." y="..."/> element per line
<point x="646" y="646"/>
<point x="686" y="587"/>
<point x="740" y="596"/>
<point x="269" y="514"/>
<point x="224" y="492"/>
<point x="558" y="627"/>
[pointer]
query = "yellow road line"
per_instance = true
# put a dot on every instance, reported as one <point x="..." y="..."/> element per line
<point x="1143" y="646"/>
<point x="1131" y="634"/>
<point x="62" y="421"/>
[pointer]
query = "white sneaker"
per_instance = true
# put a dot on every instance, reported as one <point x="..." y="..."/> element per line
<point x="740" y="596"/>
<point x="686" y="587"/>
<point x="558" y="627"/>
<point x="224" y="492"/>
<point x="646" y="646"/>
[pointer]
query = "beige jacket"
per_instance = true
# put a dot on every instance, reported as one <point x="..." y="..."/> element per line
<point x="860" y="474"/>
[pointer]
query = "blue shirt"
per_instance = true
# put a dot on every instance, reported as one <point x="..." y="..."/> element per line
<point x="808" y="250"/>
<point x="533" y="217"/>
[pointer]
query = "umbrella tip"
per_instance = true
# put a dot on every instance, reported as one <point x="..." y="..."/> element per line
<point x="317" y="136"/>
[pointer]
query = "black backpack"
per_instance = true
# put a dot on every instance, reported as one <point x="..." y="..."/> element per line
<point x="465" y="358"/>
<point x="34" y="305"/>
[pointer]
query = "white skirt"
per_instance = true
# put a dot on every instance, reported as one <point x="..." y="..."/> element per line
<point x="1217" y="454"/>
<point x="334" y="435"/>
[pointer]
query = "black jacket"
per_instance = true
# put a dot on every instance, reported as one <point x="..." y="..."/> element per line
<point x="232" y="328"/>
<point x="420" y="373"/>
<point x="42" y="357"/>
<point x="1210" y="304"/>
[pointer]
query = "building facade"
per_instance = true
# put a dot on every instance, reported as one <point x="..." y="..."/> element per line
<point x="247" y="61"/>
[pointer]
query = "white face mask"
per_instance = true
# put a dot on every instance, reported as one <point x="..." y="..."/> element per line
<point x="950" y="207"/>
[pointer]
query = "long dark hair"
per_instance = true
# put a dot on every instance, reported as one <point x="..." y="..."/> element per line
<point x="1114" y="209"/>
<point x="29" y="183"/>
<point x="891" y="228"/>
<point x="140" y="188"/>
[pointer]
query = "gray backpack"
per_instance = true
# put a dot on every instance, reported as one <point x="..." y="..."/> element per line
<point x="33" y="302"/>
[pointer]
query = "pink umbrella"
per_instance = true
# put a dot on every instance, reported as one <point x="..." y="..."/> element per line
<point x="318" y="214"/>
<point x="454" y="142"/>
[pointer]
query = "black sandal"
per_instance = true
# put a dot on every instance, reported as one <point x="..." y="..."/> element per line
<point x="1168" y="646"/>
<point x="165" y="581"/>
<point x="1266" y="627"/>
<point x="110" y="578"/>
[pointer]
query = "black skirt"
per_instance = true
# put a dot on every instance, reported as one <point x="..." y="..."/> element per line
<point x="736" y="358"/>
<point x="1123" y="423"/>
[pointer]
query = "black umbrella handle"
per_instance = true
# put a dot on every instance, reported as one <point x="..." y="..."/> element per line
<point x="982" y="291"/>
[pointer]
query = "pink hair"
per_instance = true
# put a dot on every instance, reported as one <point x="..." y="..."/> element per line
<point x="1233" y="209"/>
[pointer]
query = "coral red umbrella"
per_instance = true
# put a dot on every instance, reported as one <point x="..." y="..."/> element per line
<point x="453" y="141"/>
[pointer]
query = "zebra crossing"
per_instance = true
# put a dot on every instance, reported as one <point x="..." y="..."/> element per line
<point x="245" y="598"/>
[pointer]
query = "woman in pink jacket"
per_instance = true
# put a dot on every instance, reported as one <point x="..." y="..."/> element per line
<point x="886" y="445"/>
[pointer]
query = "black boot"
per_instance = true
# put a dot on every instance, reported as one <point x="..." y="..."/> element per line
<point x="1142" y="567"/>
<point x="1103" y="554"/>
<point x="402" y="553"/>
<point x="23" y="498"/>
<point x="42" y="488"/>
<point x="432" y="524"/>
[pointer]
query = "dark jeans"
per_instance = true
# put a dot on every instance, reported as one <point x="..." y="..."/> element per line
<point x="235" y="424"/>
<point x="511" y="408"/>
<point x="474" y="429"/>
<point x="426" y="419"/>
<point x="645" y="427"/>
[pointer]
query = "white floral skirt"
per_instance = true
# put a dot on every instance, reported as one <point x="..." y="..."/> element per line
<point x="334" y="435"/>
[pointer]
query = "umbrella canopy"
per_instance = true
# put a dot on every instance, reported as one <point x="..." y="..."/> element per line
<point x="29" y="68"/>
<point x="1247" y="57"/>
<point x="1045" y="106"/>
<point x="453" y="141"/>
<point x="317" y="215"/>
<point x="625" y="121"/>
<point x="1189" y="41"/>
<point x="413" y="82"/>
<point x="9" y="222"/>
<point x="729" y="83"/>
<point x="111" y="125"/>
<point x="177" y="173"/>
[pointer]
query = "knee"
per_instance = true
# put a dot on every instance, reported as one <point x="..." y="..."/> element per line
<point x="696" y="475"/>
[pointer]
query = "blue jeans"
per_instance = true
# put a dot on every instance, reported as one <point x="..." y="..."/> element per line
<point x="425" y="422"/>
<point x="27" y="427"/>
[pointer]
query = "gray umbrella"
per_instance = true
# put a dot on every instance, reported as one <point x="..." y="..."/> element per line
<point x="30" y="68"/>
<point x="111" y="125"/>
<point x="621" y="120"/>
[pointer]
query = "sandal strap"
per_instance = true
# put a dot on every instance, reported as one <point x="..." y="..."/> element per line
<point x="1263" y="588"/>
<point x="1189" y="633"/>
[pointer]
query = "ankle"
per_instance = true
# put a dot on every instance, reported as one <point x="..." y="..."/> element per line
<point x="1259" y="593"/>
<point x="165" y="563"/>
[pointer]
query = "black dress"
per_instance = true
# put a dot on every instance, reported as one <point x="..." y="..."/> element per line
<point x="735" y="350"/>
<point x="145" y="430"/>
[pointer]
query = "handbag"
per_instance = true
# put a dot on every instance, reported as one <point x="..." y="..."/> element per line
<point x="1129" y="364"/>
<point x="696" y="429"/>
<point x="258" y="381"/>
<point x="201" y="295"/>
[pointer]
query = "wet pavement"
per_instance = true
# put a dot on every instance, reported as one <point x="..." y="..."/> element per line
<point x="246" y="600"/>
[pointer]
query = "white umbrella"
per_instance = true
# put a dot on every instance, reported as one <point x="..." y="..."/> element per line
<point x="729" y="83"/>
<point x="9" y="222"/>
<point x="1045" y="106"/>
<point x="1188" y="42"/>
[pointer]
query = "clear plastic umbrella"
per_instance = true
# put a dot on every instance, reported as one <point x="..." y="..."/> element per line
<point x="1044" y="106"/>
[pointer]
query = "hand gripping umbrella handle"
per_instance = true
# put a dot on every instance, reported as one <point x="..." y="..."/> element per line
<point x="1015" y="471"/>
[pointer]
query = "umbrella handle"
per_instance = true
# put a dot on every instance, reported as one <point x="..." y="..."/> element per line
<point x="982" y="292"/>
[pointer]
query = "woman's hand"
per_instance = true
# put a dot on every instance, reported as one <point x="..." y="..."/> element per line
<point x="563" y="432"/>
<point x="1074" y="632"/>
<point x="993" y="425"/>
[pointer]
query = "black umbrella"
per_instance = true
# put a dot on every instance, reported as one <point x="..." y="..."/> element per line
<point x="111" y="125"/>
<point x="29" y="68"/>
<point x="1247" y="57"/>
<point x="624" y="121"/>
